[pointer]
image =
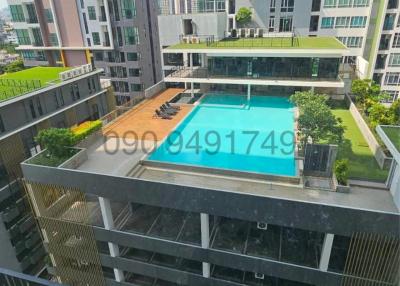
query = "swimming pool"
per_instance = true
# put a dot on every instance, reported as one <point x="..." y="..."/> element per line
<point x="229" y="132"/>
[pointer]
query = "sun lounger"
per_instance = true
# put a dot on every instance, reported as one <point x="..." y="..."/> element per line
<point x="171" y="106"/>
<point x="168" y="111"/>
<point x="161" y="114"/>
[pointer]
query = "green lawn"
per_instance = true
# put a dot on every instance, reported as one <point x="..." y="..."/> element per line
<point x="394" y="135"/>
<point x="267" y="43"/>
<point x="362" y="163"/>
<point x="18" y="83"/>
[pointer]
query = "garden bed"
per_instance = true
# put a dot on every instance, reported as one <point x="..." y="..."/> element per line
<point x="44" y="159"/>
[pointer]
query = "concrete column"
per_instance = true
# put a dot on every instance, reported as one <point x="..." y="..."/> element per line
<point x="108" y="222"/>
<point x="186" y="6"/>
<point x="191" y="68"/>
<point x="205" y="240"/>
<point x="248" y="92"/>
<point x="312" y="89"/>
<point x="326" y="252"/>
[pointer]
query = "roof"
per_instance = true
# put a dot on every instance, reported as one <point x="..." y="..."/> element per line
<point x="19" y="83"/>
<point x="390" y="135"/>
<point x="267" y="43"/>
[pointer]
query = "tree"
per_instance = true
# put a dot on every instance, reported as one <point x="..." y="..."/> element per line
<point x="243" y="15"/>
<point x="316" y="120"/>
<point x="395" y="110"/>
<point x="57" y="141"/>
<point x="367" y="93"/>
<point x="379" y="114"/>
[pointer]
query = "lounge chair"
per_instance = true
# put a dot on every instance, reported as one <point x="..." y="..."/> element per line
<point x="168" y="111"/>
<point x="172" y="106"/>
<point x="161" y="114"/>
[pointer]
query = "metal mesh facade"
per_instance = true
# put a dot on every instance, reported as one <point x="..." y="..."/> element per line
<point x="63" y="216"/>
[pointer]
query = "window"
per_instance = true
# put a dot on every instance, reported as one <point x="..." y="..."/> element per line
<point x="134" y="72"/>
<point x="85" y="23"/>
<point x="98" y="56"/>
<point x="354" y="42"/>
<point x="31" y="10"/>
<point x="136" y="87"/>
<point x="56" y="100"/>
<point x="327" y="22"/>
<point x="271" y="25"/>
<point x="17" y="14"/>
<point x="37" y="37"/>
<point x="128" y="9"/>
<point x="392" y="78"/>
<point x="316" y="6"/>
<point x="53" y="39"/>
<point x="394" y="60"/>
<point x="343" y="40"/>
<point x="396" y="40"/>
<point x="89" y="42"/>
<point x="286" y="24"/>
<point x="133" y="57"/>
<point x="342" y="22"/>
<point x="91" y="12"/>
<point x="314" y="20"/>
<point x="23" y="36"/>
<point x="96" y="38"/>
<point x="287" y="5"/>
<point x="2" y="129"/>
<point x="32" y="108"/>
<point x="220" y="5"/>
<point x="39" y="106"/>
<point x="131" y="35"/>
<point x="361" y="3"/>
<point x="272" y="6"/>
<point x="49" y="15"/>
<point x="329" y="3"/>
<point x="393" y="95"/>
<point x="344" y="3"/>
<point x="358" y="22"/>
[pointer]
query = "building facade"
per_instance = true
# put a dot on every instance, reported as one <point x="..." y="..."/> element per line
<point x="357" y="24"/>
<point x="119" y="36"/>
<point x="22" y="116"/>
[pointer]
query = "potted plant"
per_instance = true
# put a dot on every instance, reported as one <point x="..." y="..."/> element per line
<point x="341" y="176"/>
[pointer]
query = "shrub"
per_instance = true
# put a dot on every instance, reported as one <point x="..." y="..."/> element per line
<point x="57" y="141"/>
<point x="341" y="171"/>
<point x="85" y="129"/>
<point x="380" y="115"/>
<point x="395" y="110"/>
<point x="243" y="15"/>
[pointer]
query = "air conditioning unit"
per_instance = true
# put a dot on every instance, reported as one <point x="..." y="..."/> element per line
<point x="262" y="225"/>
<point x="259" y="276"/>
<point x="186" y="40"/>
<point x="195" y="40"/>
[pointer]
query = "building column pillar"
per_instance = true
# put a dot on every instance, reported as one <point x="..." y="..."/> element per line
<point x="205" y="240"/>
<point x="312" y="89"/>
<point x="248" y="92"/>
<point x="108" y="222"/>
<point x="191" y="70"/>
<point x="326" y="252"/>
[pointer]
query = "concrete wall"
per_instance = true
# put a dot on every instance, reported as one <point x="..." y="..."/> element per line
<point x="171" y="26"/>
<point x="395" y="184"/>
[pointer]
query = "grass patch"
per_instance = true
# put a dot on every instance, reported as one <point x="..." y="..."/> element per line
<point x="362" y="163"/>
<point x="394" y="135"/>
<point x="44" y="159"/>
<point x="267" y="43"/>
<point x="18" y="83"/>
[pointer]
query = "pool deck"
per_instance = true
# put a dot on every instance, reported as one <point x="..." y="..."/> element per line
<point x="141" y="121"/>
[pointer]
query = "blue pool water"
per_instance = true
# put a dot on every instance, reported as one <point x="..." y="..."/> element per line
<point x="228" y="132"/>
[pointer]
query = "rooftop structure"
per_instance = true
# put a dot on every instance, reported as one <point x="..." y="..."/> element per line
<point x="22" y="82"/>
<point x="181" y="223"/>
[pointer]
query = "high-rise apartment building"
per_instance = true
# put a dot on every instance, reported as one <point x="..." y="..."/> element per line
<point x="120" y="36"/>
<point x="30" y="101"/>
<point x="356" y="23"/>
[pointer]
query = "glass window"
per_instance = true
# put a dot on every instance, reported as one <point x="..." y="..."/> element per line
<point x="272" y="6"/>
<point x="128" y="9"/>
<point x="134" y="72"/>
<point x="23" y="36"/>
<point x="96" y="38"/>
<point x="342" y="22"/>
<point x="132" y="57"/>
<point x="17" y="14"/>
<point x="394" y="60"/>
<point x="2" y="129"/>
<point x="271" y="25"/>
<point x="354" y="42"/>
<point x="131" y="35"/>
<point x="287" y="5"/>
<point x="329" y="3"/>
<point x="327" y="22"/>
<point x="361" y="3"/>
<point x="98" y="56"/>
<point x="345" y="3"/>
<point x="358" y="22"/>
<point x="91" y="12"/>
<point x="286" y="24"/>
<point x="53" y="39"/>
<point x="136" y="87"/>
<point x="392" y="78"/>
<point x="396" y="40"/>
<point x="49" y="15"/>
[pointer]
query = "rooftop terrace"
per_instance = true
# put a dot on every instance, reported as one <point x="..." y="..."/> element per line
<point x="19" y="83"/>
<point x="265" y="43"/>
